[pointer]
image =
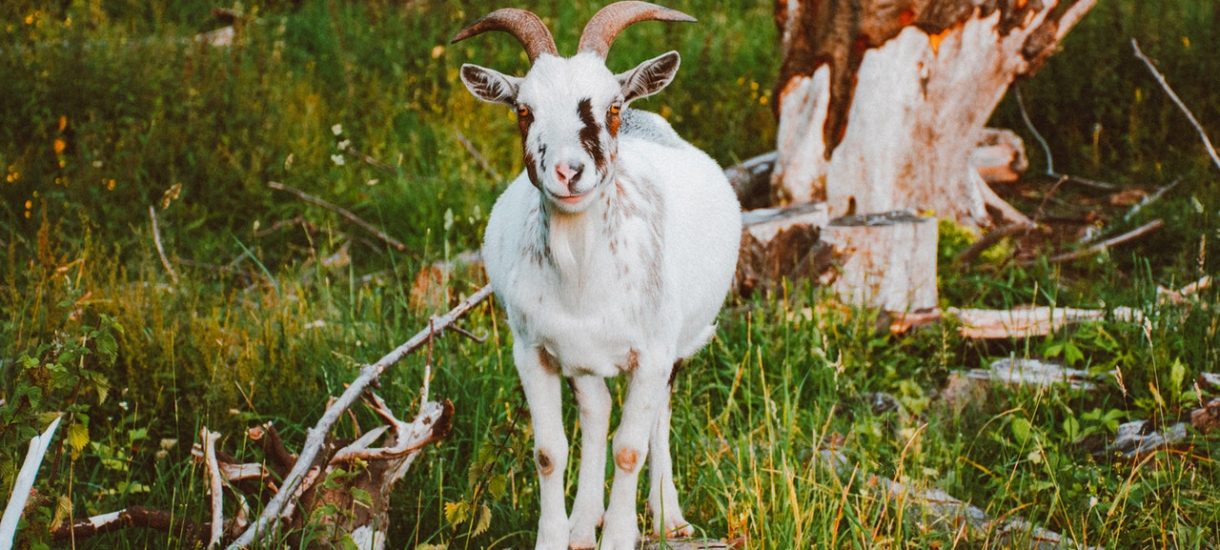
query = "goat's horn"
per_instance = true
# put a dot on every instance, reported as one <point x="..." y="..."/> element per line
<point x="527" y="27"/>
<point x="599" y="33"/>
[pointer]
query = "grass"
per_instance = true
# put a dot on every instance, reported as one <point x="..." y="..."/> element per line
<point x="110" y="107"/>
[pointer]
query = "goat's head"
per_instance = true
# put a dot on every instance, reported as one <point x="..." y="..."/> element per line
<point x="568" y="109"/>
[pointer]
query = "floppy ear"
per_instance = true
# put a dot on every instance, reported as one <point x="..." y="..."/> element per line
<point x="490" y="85"/>
<point x="650" y="76"/>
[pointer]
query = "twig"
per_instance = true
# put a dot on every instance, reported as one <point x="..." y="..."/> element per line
<point x="346" y="214"/>
<point x="1050" y="158"/>
<point x="317" y="435"/>
<point x="1207" y="143"/>
<point x="152" y="215"/>
<point x="24" y="484"/>
<point x="215" y="485"/>
<point x="372" y="161"/>
<point x="1106" y="244"/>
<point x="1150" y="199"/>
<point x="478" y="157"/>
<point x="466" y="333"/>
<point x="273" y="447"/>
<point x="135" y="516"/>
<point x="430" y="425"/>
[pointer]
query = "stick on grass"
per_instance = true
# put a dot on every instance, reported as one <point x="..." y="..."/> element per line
<point x="345" y="213"/>
<point x="1207" y="143"/>
<point x="317" y="435"/>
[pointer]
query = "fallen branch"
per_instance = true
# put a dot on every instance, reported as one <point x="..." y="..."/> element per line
<point x="1105" y="245"/>
<point x="215" y="485"/>
<point x="25" y="483"/>
<point x="135" y="516"/>
<point x="317" y="435"/>
<point x="152" y="215"/>
<point x="1150" y="199"/>
<point x="1207" y="142"/>
<point x="1024" y="322"/>
<point x="1050" y="158"/>
<point x="989" y="240"/>
<point x="346" y="214"/>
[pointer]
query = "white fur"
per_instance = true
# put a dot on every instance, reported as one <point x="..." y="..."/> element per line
<point x="638" y="268"/>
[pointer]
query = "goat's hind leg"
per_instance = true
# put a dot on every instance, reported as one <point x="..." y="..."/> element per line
<point x="593" y="400"/>
<point x="667" y="519"/>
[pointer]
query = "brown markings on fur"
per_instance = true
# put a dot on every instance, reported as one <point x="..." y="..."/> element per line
<point x="547" y="361"/>
<point x="633" y="360"/>
<point x="626" y="459"/>
<point x="545" y="465"/>
<point x="590" y="135"/>
<point x="673" y="373"/>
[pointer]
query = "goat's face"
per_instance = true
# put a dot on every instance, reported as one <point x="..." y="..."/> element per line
<point x="568" y="113"/>
<point x="568" y="109"/>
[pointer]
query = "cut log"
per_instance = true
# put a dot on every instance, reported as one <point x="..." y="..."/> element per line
<point x="751" y="180"/>
<point x="887" y="261"/>
<point x="1207" y="418"/>
<point x="1029" y="321"/>
<point x="881" y="104"/>
<point x="1138" y="438"/>
<point x="779" y="243"/>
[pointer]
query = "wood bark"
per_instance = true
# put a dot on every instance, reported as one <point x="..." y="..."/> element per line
<point x="781" y="243"/>
<point x="887" y="261"/>
<point x="880" y="104"/>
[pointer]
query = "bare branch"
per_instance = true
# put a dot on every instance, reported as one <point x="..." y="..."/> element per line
<point x="1106" y="244"/>
<point x="478" y="156"/>
<point x="273" y="447"/>
<point x="317" y="435"/>
<point x="135" y="516"/>
<point x="1207" y="142"/>
<point x="346" y="214"/>
<point x="152" y="215"/>
<point x="432" y="424"/>
<point x="25" y="483"/>
<point x="215" y="485"/>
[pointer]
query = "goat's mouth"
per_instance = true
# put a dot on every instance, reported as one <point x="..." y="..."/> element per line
<point x="572" y="199"/>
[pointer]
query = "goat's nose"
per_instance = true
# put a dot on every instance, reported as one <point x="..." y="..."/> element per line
<point x="568" y="175"/>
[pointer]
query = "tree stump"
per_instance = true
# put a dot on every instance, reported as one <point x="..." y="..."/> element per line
<point x="779" y="243"/>
<point x="880" y="104"/>
<point x="887" y="261"/>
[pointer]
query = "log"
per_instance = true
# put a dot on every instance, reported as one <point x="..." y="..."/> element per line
<point x="781" y="243"/>
<point x="751" y="180"/>
<point x="1030" y="321"/>
<point x="999" y="156"/>
<point x="24" y="483"/>
<point x="1207" y="418"/>
<point x="880" y="104"/>
<point x="887" y="261"/>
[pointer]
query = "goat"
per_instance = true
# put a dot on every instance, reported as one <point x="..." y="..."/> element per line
<point x="612" y="253"/>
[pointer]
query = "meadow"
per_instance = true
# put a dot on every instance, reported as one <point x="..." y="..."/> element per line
<point x="110" y="107"/>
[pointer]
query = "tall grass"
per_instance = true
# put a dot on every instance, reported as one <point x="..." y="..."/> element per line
<point x="111" y="107"/>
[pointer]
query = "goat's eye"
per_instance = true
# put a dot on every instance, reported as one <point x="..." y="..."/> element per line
<point x="523" y="111"/>
<point x="615" y="108"/>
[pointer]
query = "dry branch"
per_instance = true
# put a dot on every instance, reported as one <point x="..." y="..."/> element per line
<point x="215" y="485"/>
<point x="152" y="215"/>
<point x="1207" y="142"/>
<point x="346" y="214"/>
<point x="318" y="434"/>
<point x="24" y="483"/>
<point x="478" y="156"/>
<point x="135" y="516"/>
<point x="1106" y="244"/>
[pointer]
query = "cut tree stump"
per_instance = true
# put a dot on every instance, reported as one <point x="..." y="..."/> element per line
<point x="880" y="104"/>
<point x="886" y="261"/>
<point x="779" y="243"/>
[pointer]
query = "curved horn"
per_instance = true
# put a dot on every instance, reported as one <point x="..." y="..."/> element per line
<point x="527" y="27"/>
<point x="599" y="33"/>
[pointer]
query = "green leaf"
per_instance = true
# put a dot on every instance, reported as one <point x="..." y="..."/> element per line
<point x="1020" y="429"/>
<point x="78" y="437"/>
<point x="456" y="513"/>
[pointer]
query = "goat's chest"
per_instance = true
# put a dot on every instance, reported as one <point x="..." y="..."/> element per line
<point x="591" y="310"/>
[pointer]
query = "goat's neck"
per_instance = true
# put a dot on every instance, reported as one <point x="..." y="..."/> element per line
<point x="575" y="240"/>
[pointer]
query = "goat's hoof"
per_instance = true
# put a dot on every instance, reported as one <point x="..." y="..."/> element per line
<point x="583" y="533"/>
<point x="681" y="530"/>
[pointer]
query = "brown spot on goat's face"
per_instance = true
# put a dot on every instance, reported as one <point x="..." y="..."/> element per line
<point x="627" y="459"/>
<point x="590" y="135"/>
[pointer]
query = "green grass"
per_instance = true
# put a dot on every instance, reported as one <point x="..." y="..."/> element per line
<point x="91" y="325"/>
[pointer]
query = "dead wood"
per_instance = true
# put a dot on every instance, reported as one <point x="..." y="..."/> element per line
<point x="152" y="215"/>
<point x="992" y="238"/>
<point x="781" y="243"/>
<point x="1160" y="78"/>
<point x="133" y="516"/>
<point x="1105" y="245"/>
<point x="999" y="156"/>
<point x="1207" y="418"/>
<point x="692" y="544"/>
<point x="477" y="155"/>
<point x="1209" y="381"/>
<point x="751" y="180"/>
<point x="215" y="487"/>
<point x="343" y="212"/>
<point x="273" y="447"/>
<point x="1025" y="322"/>
<point x="1137" y="439"/>
<point x="319" y="433"/>
<point x="24" y="483"/>
<point x="887" y="261"/>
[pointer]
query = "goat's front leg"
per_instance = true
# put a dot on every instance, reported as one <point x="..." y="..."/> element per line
<point x="594" y="402"/>
<point x="541" y="383"/>
<point x="645" y="395"/>
<point x="667" y="516"/>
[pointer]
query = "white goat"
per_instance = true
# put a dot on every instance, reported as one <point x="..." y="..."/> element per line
<point x="612" y="253"/>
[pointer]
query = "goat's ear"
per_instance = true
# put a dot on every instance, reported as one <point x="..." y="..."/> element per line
<point x="489" y="85"/>
<point x="650" y="76"/>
